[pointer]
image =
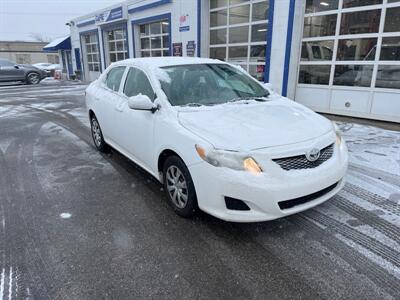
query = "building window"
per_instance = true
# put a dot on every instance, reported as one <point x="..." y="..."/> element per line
<point x="91" y="50"/>
<point x="23" y="58"/>
<point x="154" y="39"/>
<point x="363" y="50"/>
<point x="238" y="33"/>
<point x="116" y="45"/>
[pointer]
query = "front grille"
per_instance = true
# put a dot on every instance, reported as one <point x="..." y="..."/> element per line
<point x="301" y="162"/>
<point x="301" y="200"/>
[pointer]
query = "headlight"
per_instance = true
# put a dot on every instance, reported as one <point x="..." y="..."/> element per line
<point x="338" y="133"/>
<point x="228" y="159"/>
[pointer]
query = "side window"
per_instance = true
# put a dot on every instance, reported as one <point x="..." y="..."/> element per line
<point x="138" y="83"/>
<point x="113" y="79"/>
<point x="6" y="63"/>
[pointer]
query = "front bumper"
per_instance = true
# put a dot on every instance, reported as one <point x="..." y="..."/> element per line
<point x="263" y="192"/>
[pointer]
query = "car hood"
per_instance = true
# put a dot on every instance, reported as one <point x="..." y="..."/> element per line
<point x="245" y="127"/>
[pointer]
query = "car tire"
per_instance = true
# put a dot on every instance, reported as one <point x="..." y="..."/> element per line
<point x="179" y="187"/>
<point x="32" y="78"/>
<point x="97" y="135"/>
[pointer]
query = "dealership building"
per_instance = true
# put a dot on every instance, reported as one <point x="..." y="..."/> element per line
<point x="334" y="56"/>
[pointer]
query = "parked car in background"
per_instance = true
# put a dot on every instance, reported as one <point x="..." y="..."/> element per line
<point x="48" y="67"/>
<point x="218" y="139"/>
<point x="10" y="71"/>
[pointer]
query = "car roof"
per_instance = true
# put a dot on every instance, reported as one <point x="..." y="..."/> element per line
<point x="166" y="61"/>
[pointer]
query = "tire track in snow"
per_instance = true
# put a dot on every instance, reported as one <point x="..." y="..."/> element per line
<point x="367" y="242"/>
<point x="19" y="240"/>
<point x="378" y="275"/>
<point x="368" y="218"/>
<point x="372" y="198"/>
<point x="375" y="173"/>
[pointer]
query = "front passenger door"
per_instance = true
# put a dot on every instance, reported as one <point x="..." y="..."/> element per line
<point x="135" y="127"/>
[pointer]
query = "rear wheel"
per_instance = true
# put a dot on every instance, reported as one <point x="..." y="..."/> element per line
<point x="179" y="187"/>
<point x="97" y="135"/>
<point x="32" y="78"/>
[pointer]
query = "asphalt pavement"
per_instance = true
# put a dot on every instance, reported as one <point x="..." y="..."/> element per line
<point x="77" y="224"/>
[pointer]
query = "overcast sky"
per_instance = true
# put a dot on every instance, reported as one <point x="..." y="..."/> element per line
<point x="20" y="19"/>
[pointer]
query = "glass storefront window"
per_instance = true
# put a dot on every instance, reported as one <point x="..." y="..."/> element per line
<point x="218" y="36"/>
<point x="237" y="53"/>
<point x="116" y="46"/>
<point x="217" y="3"/>
<point x="313" y="6"/>
<point x="356" y="45"/>
<point x="353" y="75"/>
<point x="218" y="53"/>
<point x="390" y="49"/>
<point x="314" y="74"/>
<point x="218" y="18"/>
<point x="354" y="3"/>
<point x="239" y="14"/>
<point x="360" y="22"/>
<point x="320" y="25"/>
<point x="238" y="32"/>
<point x="260" y="11"/>
<point x="356" y="49"/>
<point x="257" y="53"/>
<point x="259" y="32"/>
<point x="257" y="71"/>
<point x="233" y="2"/>
<point x="154" y="40"/>
<point x="92" y="53"/>
<point x="388" y="77"/>
<point x="392" y="20"/>
<point x="316" y="51"/>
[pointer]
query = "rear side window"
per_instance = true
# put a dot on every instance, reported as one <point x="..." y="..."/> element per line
<point x="138" y="83"/>
<point x="5" y="63"/>
<point x="113" y="80"/>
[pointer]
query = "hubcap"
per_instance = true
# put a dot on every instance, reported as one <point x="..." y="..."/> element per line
<point x="96" y="132"/>
<point x="177" y="187"/>
<point x="33" y="78"/>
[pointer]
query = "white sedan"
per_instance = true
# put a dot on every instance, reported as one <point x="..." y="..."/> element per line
<point x="218" y="140"/>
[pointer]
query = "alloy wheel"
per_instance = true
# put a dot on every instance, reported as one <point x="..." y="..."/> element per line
<point x="96" y="132"/>
<point x="177" y="186"/>
<point x="33" y="78"/>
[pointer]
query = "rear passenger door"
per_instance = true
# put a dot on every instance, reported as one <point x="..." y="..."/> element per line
<point x="135" y="127"/>
<point x="108" y="98"/>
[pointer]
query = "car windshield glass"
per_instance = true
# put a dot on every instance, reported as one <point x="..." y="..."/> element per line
<point x="209" y="84"/>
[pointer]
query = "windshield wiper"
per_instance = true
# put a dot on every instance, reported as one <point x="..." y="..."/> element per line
<point x="193" y="104"/>
<point x="259" y="99"/>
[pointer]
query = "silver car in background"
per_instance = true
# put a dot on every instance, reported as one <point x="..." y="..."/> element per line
<point x="10" y="71"/>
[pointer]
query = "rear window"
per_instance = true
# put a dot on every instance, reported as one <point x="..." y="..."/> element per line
<point x="114" y="77"/>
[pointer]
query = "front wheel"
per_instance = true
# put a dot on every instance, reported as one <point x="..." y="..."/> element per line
<point x="179" y="187"/>
<point x="97" y="135"/>
<point x="32" y="78"/>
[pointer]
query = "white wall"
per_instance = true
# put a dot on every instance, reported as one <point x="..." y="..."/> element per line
<point x="279" y="31"/>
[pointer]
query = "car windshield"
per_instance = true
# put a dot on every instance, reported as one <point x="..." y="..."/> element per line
<point x="209" y="84"/>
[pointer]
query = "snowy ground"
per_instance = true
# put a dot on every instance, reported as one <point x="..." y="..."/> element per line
<point x="78" y="224"/>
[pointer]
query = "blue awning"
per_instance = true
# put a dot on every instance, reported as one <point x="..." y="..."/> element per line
<point x="63" y="43"/>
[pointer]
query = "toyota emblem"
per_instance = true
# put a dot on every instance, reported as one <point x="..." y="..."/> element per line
<point x="313" y="154"/>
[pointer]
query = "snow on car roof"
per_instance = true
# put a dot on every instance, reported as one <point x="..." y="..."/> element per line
<point x="159" y="62"/>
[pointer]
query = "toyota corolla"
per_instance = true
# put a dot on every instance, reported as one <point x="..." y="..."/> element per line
<point x="217" y="139"/>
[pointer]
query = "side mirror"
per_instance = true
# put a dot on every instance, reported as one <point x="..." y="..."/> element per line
<point x="142" y="102"/>
<point x="16" y="67"/>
